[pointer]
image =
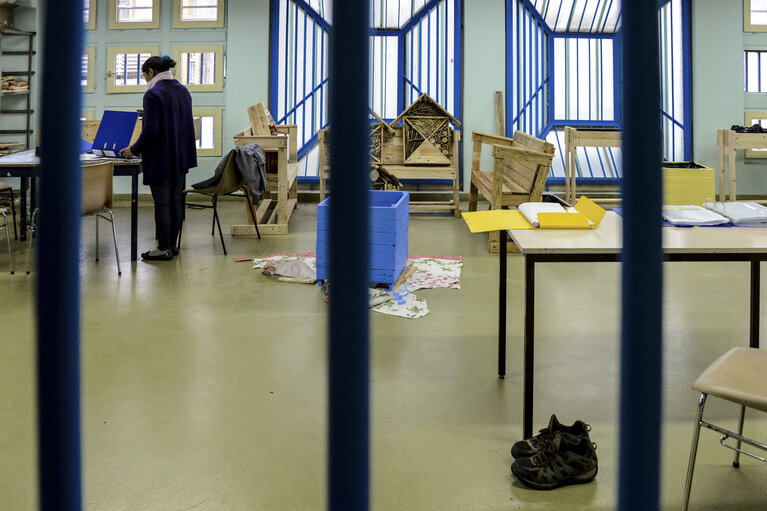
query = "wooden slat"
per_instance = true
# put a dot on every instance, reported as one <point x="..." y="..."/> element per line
<point x="500" y="120"/>
<point x="412" y="172"/>
<point x="259" y="119"/>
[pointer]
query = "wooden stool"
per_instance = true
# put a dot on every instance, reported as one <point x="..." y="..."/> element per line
<point x="738" y="376"/>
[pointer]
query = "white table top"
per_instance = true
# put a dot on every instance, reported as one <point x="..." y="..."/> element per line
<point x="608" y="239"/>
<point x="28" y="159"/>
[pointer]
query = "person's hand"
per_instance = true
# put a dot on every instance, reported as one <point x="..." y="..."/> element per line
<point x="126" y="152"/>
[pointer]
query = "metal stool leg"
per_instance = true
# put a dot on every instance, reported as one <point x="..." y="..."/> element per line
<point x="114" y="237"/>
<point x="32" y="228"/>
<point x="736" y="460"/>
<point x="8" y="240"/>
<point x="217" y="222"/>
<point x="97" y="238"/>
<point x="693" y="452"/>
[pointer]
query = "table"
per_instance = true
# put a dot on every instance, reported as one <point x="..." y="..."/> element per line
<point x="604" y="244"/>
<point x="26" y="166"/>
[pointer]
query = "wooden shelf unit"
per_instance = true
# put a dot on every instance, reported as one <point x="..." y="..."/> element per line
<point x="25" y="108"/>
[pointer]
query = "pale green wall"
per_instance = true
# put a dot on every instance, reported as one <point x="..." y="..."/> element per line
<point x="718" y="97"/>
<point x="484" y="72"/>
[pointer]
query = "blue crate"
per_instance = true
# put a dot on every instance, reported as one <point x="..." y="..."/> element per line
<point x="388" y="236"/>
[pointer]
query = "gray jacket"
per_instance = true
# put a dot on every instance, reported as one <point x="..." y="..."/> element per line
<point x="250" y="163"/>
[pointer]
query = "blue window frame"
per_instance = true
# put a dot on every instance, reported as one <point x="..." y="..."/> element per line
<point x="415" y="48"/>
<point x="563" y="64"/>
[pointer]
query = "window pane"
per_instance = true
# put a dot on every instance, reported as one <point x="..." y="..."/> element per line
<point x="128" y="68"/>
<point x="199" y="10"/>
<point x="198" y="68"/>
<point x="84" y="70"/>
<point x="86" y="12"/>
<point x="130" y="11"/>
<point x="207" y="134"/>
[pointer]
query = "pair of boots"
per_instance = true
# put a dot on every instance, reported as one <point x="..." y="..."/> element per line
<point x="557" y="456"/>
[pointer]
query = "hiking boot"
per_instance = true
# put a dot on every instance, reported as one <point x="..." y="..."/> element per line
<point x="526" y="448"/>
<point x="560" y="462"/>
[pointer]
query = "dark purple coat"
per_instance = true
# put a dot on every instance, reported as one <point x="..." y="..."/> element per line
<point x="167" y="141"/>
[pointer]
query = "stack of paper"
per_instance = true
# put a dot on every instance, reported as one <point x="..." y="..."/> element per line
<point x="740" y="213"/>
<point x="692" y="215"/>
<point x="553" y="215"/>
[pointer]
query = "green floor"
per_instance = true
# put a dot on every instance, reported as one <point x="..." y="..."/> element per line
<point x="204" y="382"/>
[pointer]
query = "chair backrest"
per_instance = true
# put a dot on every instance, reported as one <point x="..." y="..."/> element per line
<point x="526" y="164"/>
<point x="231" y="179"/>
<point x="97" y="187"/>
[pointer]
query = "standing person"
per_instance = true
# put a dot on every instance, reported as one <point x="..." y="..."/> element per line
<point x="168" y="150"/>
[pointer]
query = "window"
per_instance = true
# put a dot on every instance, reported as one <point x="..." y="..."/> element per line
<point x="414" y="49"/>
<point x="751" y="119"/>
<point x="127" y="14"/>
<point x="89" y="14"/>
<point x="755" y="70"/>
<point x="86" y="69"/>
<point x="563" y="64"/>
<point x="209" y="143"/>
<point x="200" y="68"/>
<point x="755" y="15"/>
<point x="198" y="13"/>
<point x="124" y="68"/>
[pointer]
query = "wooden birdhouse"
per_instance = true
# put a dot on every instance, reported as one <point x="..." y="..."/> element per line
<point x="426" y="133"/>
<point x="377" y="137"/>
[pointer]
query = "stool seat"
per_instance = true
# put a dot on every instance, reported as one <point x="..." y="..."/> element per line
<point x="740" y="376"/>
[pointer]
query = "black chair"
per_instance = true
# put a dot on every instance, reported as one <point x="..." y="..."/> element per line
<point x="231" y="183"/>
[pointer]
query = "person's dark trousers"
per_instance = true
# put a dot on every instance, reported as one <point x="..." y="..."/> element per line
<point x="169" y="210"/>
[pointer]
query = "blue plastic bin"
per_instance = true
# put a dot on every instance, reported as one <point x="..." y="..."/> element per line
<point x="388" y="236"/>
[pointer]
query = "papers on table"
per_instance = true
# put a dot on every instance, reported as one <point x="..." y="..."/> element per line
<point x="692" y="215"/>
<point x="742" y="214"/>
<point x="586" y="215"/>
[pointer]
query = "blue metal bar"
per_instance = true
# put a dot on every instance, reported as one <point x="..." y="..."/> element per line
<point x="601" y="162"/>
<point x="586" y="123"/>
<point x="556" y="21"/>
<point x="642" y="264"/>
<point x="428" y="54"/>
<point x="311" y="12"/>
<point x="687" y="78"/>
<point x="302" y="136"/>
<point x="602" y="80"/>
<point x="552" y="84"/>
<point x="607" y="15"/>
<point x="314" y="76"/>
<point x="536" y="79"/>
<point x="673" y="106"/>
<point x="322" y="80"/>
<point x="561" y="152"/>
<point x="596" y="10"/>
<point x="413" y="86"/>
<point x="532" y="11"/>
<point x="58" y="282"/>
<point x="583" y="13"/>
<point x="528" y="71"/>
<point x="590" y="180"/>
<point x="529" y="101"/>
<point x="589" y="58"/>
<point x="618" y="78"/>
<point x="518" y="77"/>
<point x="618" y="171"/>
<point x="583" y="35"/>
<point x="416" y="18"/>
<point x="400" y="71"/>
<point x="348" y="327"/>
<point x="666" y="115"/>
<point x="446" y="56"/>
<point x="294" y="110"/>
<point x="577" y="80"/>
<point x="510" y="86"/>
<point x="287" y="53"/>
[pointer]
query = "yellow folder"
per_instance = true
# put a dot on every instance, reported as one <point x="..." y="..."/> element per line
<point x="589" y="216"/>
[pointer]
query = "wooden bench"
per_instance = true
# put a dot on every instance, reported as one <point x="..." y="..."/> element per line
<point x="280" y="146"/>
<point x="574" y="139"/>
<point x="520" y="167"/>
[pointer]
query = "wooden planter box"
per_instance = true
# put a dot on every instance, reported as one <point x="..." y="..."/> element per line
<point x="688" y="183"/>
<point x="388" y="236"/>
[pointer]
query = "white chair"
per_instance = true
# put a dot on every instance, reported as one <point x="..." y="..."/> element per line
<point x="738" y="376"/>
<point x="3" y="212"/>
<point x="96" y="201"/>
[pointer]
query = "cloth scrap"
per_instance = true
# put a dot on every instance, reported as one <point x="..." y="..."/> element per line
<point x="431" y="272"/>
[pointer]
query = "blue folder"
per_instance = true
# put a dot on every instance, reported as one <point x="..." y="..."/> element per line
<point x="115" y="132"/>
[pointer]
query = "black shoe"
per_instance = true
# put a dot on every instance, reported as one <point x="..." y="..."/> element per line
<point x="530" y="446"/>
<point x="174" y="251"/>
<point x="157" y="255"/>
<point x="563" y="461"/>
